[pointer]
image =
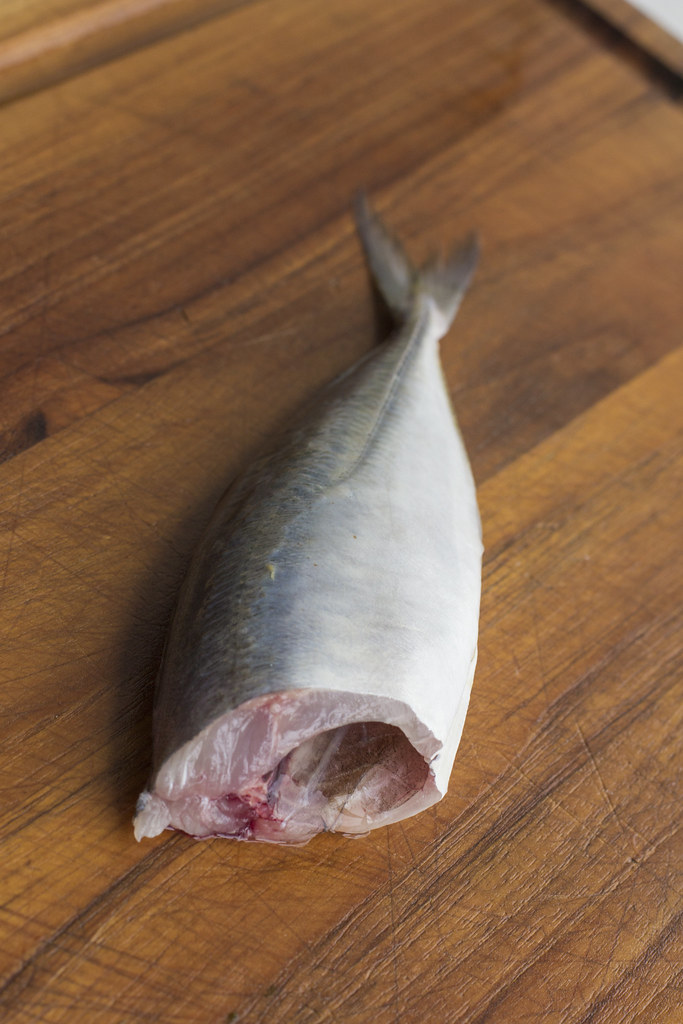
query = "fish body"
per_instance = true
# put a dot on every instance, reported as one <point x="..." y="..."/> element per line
<point x="319" y="664"/>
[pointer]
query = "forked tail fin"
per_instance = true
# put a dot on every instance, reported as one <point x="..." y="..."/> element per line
<point x="445" y="281"/>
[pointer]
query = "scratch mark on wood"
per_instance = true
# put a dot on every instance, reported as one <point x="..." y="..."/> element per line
<point x="394" y="945"/>
<point x="627" y="833"/>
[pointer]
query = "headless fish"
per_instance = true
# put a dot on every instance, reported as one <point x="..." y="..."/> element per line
<point x="319" y="664"/>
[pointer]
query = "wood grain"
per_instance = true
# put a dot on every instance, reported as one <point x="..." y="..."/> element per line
<point x="43" y="42"/>
<point x="179" y="273"/>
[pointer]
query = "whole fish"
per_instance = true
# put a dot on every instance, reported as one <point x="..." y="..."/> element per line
<point x="319" y="664"/>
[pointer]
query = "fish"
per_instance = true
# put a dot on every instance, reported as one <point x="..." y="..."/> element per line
<point x="319" y="663"/>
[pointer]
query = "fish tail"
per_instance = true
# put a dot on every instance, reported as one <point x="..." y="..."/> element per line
<point x="444" y="281"/>
<point x="391" y="268"/>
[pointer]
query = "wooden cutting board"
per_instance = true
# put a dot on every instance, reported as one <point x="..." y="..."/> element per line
<point x="180" y="273"/>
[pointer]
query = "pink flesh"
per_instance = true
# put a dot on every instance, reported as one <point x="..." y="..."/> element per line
<point x="346" y="779"/>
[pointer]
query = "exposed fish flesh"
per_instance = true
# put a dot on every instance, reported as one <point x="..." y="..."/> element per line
<point x="319" y="664"/>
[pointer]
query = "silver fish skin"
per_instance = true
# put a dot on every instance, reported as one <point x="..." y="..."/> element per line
<point x="319" y="664"/>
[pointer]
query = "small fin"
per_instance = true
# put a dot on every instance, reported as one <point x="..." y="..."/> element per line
<point x="444" y="281"/>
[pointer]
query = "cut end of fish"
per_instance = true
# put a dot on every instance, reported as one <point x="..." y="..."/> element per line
<point x="349" y="778"/>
